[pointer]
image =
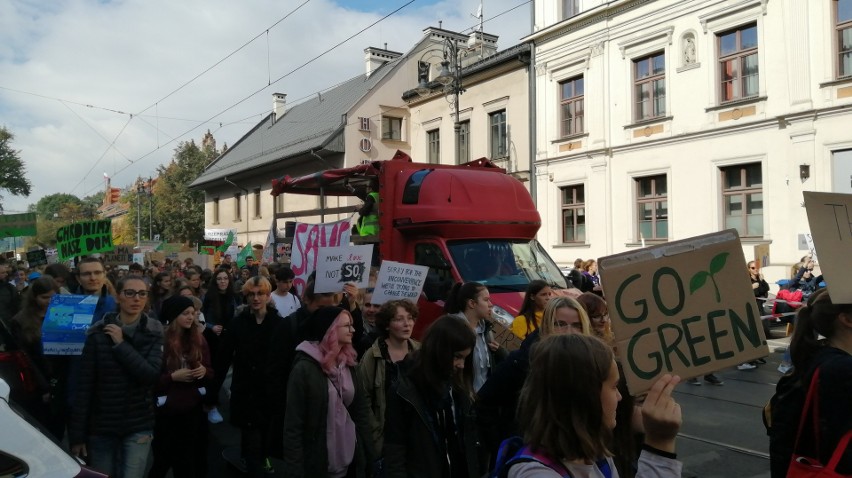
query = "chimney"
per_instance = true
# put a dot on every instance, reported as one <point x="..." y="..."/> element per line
<point x="279" y="103"/>
<point x="481" y="45"/>
<point x="376" y="57"/>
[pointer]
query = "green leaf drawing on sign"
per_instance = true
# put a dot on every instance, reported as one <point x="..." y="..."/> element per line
<point x="698" y="281"/>
<point x="718" y="263"/>
<point x="700" y="277"/>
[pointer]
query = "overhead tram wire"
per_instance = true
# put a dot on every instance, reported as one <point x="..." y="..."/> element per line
<point x="185" y="84"/>
<point x="337" y="45"/>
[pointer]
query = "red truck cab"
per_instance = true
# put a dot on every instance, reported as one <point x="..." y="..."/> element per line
<point x="471" y="222"/>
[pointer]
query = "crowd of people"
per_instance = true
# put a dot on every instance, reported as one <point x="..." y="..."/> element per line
<point x="332" y="384"/>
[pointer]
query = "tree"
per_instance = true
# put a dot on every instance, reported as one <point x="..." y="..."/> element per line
<point x="49" y="206"/>
<point x="54" y="211"/>
<point x="12" y="170"/>
<point x="180" y="209"/>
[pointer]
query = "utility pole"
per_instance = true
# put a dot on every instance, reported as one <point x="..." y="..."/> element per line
<point x="150" y="209"/>
<point x="139" y="189"/>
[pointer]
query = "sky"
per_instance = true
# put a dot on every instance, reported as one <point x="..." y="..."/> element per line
<point x="92" y="88"/>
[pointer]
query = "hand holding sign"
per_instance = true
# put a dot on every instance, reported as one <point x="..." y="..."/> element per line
<point x="337" y="266"/>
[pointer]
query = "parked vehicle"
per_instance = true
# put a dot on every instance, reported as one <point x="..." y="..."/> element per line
<point x="470" y="222"/>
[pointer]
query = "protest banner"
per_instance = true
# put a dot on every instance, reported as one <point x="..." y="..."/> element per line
<point x="307" y="239"/>
<point x="685" y="307"/>
<point x="398" y="281"/>
<point x="121" y="256"/>
<point x="761" y="255"/>
<point x="68" y="317"/>
<point x="809" y="238"/>
<point x="82" y="238"/>
<point x="337" y="266"/>
<point x="139" y="258"/>
<point x="18" y="225"/>
<point x="220" y="235"/>
<point x="37" y="257"/>
<point x="830" y="219"/>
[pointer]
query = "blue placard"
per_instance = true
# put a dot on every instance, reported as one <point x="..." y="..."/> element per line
<point x="68" y="317"/>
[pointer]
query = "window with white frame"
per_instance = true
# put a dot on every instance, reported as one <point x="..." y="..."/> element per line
<point x="571" y="106"/>
<point x="570" y="8"/>
<point x="392" y="128"/>
<point x="498" y="137"/>
<point x="238" y="216"/>
<point x="433" y="139"/>
<point x="742" y="199"/>
<point x="257" y="203"/>
<point x="738" y="63"/>
<point x="464" y="142"/>
<point x="843" y="26"/>
<point x="652" y="206"/>
<point x="573" y="214"/>
<point x="649" y="86"/>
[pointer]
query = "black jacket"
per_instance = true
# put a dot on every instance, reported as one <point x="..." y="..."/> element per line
<point x="10" y="300"/>
<point x="114" y="388"/>
<point x="414" y="447"/>
<point x="246" y="345"/>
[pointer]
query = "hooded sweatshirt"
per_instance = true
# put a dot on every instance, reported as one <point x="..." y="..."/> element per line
<point x="339" y="429"/>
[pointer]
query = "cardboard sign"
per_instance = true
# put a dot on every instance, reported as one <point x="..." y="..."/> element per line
<point x="68" y="317"/>
<point x="761" y="255"/>
<point x="809" y="239"/>
<point x="685" y="307"/>
<point x="338" y="266"/>
<point x="18" y="225"/>
<point x="307" y="239"/>
<point x="82" y="238"/>
<point x="37" y="258"/>
<point x="399" y="281"/>
<point x="830" y="218"/>
<point x="121" y="256"/>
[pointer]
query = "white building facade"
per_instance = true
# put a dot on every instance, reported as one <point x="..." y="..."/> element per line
<point x="659" y="120"/>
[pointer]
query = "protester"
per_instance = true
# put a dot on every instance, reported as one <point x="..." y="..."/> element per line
<point x="761" y="291"/>
<point x="283" y="297"/>
<point x="593" y="280"/>
<point x="193" y="279"/>
<point x="180" y="427"/>
<point x="429" y="430"/>
<point x="10" y="300"/>
<point x="567" y="410"/>
<point x="382" y="366"/>
<point x="220" y="305"/>
<point x="596" y="309"/>
<point x="112" y="419"/>
<point x="471" y="302"/>
<point x="832" y="356"/>
<point x="246" y="343"/>
<point x="161" y="290"/>
<point x="368" y="314"/>
<point x="529" y="317"/>
<point x="497" y="400"/>
<point x="61" y="275"/>
<point x="323" y="395"/>
<point x="46" y="402"/>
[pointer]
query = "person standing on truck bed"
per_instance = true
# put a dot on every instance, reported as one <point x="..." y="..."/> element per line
<point x="368" y="225"/>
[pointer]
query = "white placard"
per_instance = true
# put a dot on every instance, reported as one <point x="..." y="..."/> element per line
<point x="307" y="240"/>
<point x="338" y="266"/>
<point x="399" y="281"/>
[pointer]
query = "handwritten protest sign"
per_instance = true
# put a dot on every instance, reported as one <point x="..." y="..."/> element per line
<point x="685" y="307"/>
<point x="65" y="324"/>
<point x="398" y="281"/>
<point x="809" y="239"/>
<point x="830" y="218"/>
<point x="81" y="238"/>
<point x="307" y="239"/>
<point x="337" y="266"/>
<point x="18" y="225"/>
<point x="37" y="257"/>
<point x="121" y="256"/>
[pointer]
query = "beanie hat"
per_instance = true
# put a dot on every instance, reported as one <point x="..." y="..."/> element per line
<point x="320" y="322"/>
<point x="173" y="307"/>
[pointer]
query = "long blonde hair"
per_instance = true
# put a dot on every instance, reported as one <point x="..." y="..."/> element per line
<point x="547" y="327"/>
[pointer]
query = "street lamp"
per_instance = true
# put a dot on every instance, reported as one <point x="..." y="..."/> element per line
<point x="450" y="77"/>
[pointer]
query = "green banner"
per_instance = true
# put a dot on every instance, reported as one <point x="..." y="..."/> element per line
<point x="241" y="257"/>
<point x="82" y="238"/>
<point x="18" y="225"/>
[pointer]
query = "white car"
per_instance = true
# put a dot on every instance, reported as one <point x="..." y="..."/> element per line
<point x="27" y="452"/>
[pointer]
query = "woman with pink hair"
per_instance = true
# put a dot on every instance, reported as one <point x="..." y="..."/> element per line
<point x="323" y="394"/>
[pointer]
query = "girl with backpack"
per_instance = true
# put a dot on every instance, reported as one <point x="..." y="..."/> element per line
<point x="567" y="411"/>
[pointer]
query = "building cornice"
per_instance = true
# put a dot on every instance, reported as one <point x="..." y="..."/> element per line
<point x="585" y="19"/>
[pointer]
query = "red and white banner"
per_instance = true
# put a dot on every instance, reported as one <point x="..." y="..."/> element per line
<point x="307" y="239"/>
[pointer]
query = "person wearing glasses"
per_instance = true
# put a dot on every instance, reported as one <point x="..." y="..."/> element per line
<point x="761" y="291"/>
<point x="598" y="317"/>
<point x="92" y="280"/>
<point x="326" y="427"/>
<point x="112" y="419"/>
<point x="497" y="400"/>
<point x="246" y="343"/>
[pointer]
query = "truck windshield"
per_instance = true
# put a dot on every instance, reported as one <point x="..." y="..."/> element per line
<point x="505" y="265"/>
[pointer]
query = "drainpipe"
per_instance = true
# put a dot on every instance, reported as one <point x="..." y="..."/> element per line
<point x="533" y="140"/>
<point x="247" y="205"/>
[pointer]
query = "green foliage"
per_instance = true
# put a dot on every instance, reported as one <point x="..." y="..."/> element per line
<point x="72" y="210"/>
<point x="180" y="209"/>
<point x="51" y="204"/>
<point x="12" y="169"/>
